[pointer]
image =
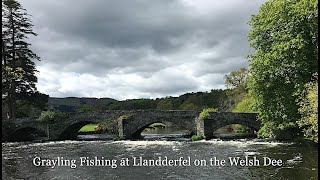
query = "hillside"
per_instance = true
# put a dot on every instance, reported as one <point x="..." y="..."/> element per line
<point x="71" y="104"/>
<point x="189" y="101"/>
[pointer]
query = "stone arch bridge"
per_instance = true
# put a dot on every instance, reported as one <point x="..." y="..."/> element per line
<point x="126" y="124"/>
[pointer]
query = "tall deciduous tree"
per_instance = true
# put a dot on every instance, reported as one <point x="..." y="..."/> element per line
<point x="237" y="79"/>
<point x="236" y="82"/>
<point x="18" y="76"/>
<point x="285" y="38"/>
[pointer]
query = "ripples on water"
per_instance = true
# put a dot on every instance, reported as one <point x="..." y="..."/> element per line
<point x="300" y="163"/>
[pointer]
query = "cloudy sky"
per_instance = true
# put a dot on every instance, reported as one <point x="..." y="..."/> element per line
<point x="126" y="49"/>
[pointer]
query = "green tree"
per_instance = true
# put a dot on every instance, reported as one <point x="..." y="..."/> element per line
<point x="245" y="105"/>
<point x="285" y="38"/>
<point x="18" y="77"/>
<point x="188" y="106"/>
<point x="165" y="104"/>
<point x="51" y="116"/>
<point x="237" y="79"/>
<point x="86" y="108"/>
<point x="236" y="83"/>
<point x="309" y="110"/>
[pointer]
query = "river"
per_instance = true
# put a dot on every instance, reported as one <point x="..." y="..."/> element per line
<point x="22" y="160"/>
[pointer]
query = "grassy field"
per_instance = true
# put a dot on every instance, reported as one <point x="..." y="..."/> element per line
<point x="88" y="128"/>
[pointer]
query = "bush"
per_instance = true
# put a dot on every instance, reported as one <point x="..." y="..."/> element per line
<point x="51" y="116"/>
<point x="102" y="127"/>
<point x="197" y="137"/>
<point x="206" y="112"/>
<point x="309" y="111"/>
<point x="240" y="129"/>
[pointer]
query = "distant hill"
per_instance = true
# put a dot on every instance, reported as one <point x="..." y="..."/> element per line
<point x="216" y="98"/>
<point x="71" y="104"/>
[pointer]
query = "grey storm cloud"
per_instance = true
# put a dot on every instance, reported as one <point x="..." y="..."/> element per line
<point x="138" y="48"/>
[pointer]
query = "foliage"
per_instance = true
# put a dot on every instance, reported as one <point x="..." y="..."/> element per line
<point x="102" y="127"/>
<point x="205" y="113"/>
<point x="25" y="109"/>
<point x="237" y="79"/>
<point x="188" y="106"/>
<point x="72" y="104"/>
<point x="51" y="116"/>
<point x="309" y="110"/>
<point x="18" y="68"/>
<point x="86" y="108"/>
<point x="31" y="105"/>
<point x="236" y="83"/>
<point x="165" y="104"/>
<point x="241" y="129"/>
<point x="284" y="35"/>
<point x="133" y="104"/>
<point x="197" y="137"/>
<point x="245" y="105"/>
<point x="188" y="101"/>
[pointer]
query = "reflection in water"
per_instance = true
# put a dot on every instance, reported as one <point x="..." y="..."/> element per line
<point x="166" y="133"/>
<point x="234" y="131"/>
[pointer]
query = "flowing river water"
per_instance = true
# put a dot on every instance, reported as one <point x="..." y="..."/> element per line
<point x="102" y="159"/>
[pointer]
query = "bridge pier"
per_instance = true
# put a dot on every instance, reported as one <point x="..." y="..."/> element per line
<point x="204" y="128"/>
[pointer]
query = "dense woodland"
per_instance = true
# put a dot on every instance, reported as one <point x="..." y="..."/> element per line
<point x="280" y="83"/>
<point x="189" y="101"/>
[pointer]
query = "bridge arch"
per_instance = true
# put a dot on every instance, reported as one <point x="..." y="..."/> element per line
<point x="71" y="132"/>
<point x="218" y="120"/>
<point x="26" y="134"/>
<point x="132" y="126"/>
<point x="68" y="129"/>
<point x="216" y="126"/>
<point x="137" y="134"/>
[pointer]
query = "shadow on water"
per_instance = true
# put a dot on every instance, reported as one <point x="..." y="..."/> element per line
<point x="172" y="133"/>
<point x="166" y="134"/>
<point x="234" y="131"/>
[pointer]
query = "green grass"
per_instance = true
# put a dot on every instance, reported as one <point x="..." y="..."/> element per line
<point x="154" y="125"/>
<point x="88" y="128"/>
